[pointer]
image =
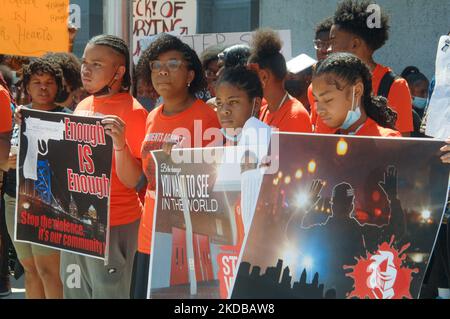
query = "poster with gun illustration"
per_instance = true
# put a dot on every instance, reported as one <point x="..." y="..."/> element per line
<point x="64" y="183"/>
<point x="345" y="217"/>
<point x="199" y="222"/>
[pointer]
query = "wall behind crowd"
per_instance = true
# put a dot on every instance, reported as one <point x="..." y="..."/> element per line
<point x="416" y="26"/>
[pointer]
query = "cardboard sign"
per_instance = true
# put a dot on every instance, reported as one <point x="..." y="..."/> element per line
<point x="34" y="27"/>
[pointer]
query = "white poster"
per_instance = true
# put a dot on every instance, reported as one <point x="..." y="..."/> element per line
<point x="199" y="42"/>
<point x="151" y="17"/>
<point x="438" y="121"/>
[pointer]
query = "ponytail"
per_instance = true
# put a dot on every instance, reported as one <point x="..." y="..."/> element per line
<point x="349" y="68"/>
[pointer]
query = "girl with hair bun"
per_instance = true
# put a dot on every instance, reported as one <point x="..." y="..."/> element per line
<point x="280" y="109"/>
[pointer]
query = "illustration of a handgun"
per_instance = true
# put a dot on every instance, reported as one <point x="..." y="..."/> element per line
<point x="38" y="133"/>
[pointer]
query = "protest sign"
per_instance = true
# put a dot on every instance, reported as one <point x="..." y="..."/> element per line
<point x="345" y="217"/>
<point x="200" y="42"/>
<point x="199" y="225"/>
<point x="64" y="183"/>
<point x="33" y="28"/>
<point x="151" y="17"/>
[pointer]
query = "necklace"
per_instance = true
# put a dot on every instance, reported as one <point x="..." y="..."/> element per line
<point x="278" y="107"/>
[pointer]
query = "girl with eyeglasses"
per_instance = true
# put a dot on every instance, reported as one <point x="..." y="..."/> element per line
<point x="176" y="73"/>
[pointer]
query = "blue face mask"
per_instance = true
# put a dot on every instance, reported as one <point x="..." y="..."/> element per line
<point x="419" y="102"/>
<point x="353" y="115"/>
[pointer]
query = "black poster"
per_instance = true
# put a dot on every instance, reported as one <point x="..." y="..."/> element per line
<point x="64" y="182"/>
<point x="345" y="217"/>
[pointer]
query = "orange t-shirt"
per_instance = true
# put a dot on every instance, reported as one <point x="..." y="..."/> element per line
<point x="290" y="117"/>
<point x="5" y="111"/>
<point x="371" y="128"/>
<point x="399" y="99"/>
<point x="161" y="129"/>
<point x="125" y="206"/>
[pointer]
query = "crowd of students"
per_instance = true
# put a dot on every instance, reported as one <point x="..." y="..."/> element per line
<point x="173" y="89"/>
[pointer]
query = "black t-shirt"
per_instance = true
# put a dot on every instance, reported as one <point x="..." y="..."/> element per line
<point x="9" y="178"/>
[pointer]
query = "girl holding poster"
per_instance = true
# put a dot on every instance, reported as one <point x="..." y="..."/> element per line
<point x="42" y="79"/>
<point x="175" y="71"/>
<point x="238" y="98"/>
<point x="239" y="94"/>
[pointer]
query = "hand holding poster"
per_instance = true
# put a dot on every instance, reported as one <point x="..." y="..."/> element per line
<point x="345" y="217"/>
<point x="198" y="223"/>
<point x="33" y="28"/>
<point x="64" y="183"/>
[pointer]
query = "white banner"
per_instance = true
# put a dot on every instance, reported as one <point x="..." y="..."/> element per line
<point x="438" y="120"/>
<point x="199" y="42"/>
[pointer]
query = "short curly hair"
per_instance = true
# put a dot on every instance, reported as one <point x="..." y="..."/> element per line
<point x="42" y="66"/>
<point x="352" y="16"/>
<point x="324" y="26"/>
<point x="71" y="68"/>
<point x="165" y="43"/>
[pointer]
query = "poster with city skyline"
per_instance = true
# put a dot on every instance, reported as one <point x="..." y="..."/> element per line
<point x="64" y="182"/>
<point x="198" y="222"/>
<point x="345" y="217"/>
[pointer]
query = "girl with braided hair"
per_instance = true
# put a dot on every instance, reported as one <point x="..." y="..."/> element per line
<point x="342" y="89"/>
<point x="105" y="73"/>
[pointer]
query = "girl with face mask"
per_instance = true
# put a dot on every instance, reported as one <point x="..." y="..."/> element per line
<point x="238" y="99"/>
<point x="418" y="86"/>
<point x="342" y="88"/>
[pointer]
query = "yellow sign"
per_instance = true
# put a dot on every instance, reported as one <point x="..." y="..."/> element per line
<point x="33" y="27"/>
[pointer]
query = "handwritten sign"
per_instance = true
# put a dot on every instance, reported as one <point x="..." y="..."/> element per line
<point x="200" y="42"/>
<point x="33" y="27"/>
<point x="151" y="17"/>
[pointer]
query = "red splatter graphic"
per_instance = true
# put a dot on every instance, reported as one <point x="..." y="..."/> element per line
<point x="382" y="275"/>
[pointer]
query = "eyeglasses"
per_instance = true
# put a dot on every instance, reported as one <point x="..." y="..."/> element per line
<point x="171" y="65"/>
<point x="320" y="45"/>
